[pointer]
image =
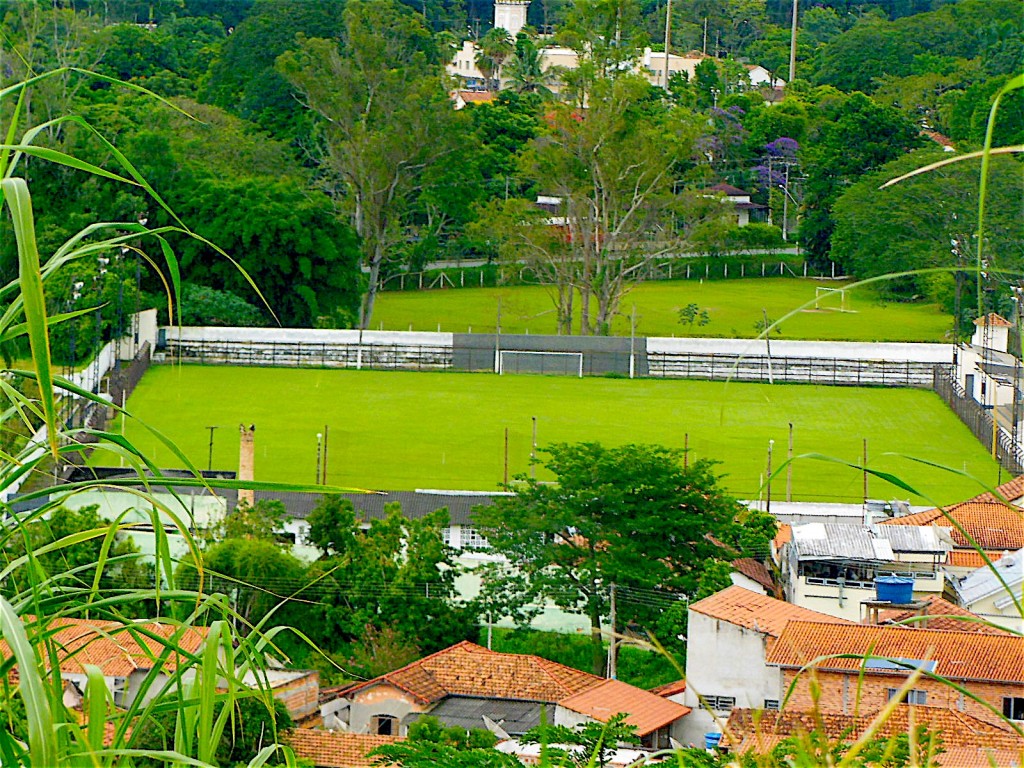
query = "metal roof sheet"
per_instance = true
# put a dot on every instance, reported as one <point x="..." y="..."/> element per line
<point x="820" y="541"/>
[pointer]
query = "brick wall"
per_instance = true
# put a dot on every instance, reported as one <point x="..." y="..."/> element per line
<point x="848" y="694"/>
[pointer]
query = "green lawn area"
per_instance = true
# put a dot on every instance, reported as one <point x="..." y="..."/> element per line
<point x="406" y="430"/>
<point x="734" y="307"/>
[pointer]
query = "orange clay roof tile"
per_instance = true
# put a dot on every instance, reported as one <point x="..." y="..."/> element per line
<point x="467" y="669"/>
<point x="991" y="524"/>
<point x="118" y="649"/>
<point x="758" y="612"/>
<point x="761" y="730"/>
<point x="957" y="655"/>
<point x="335" y="749"/>
<point x="647" y="711"/>
<point x="944" y="615"/>
<point x="969" y="558"/>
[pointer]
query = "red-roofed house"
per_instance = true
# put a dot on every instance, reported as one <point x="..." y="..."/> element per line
<point x="470" y="686"/>
<point x="989" y="666"/>
<point x="124" y="652"/>
<point x="729" y="635"/>
<point x="333" y="749"/>
<point x="966" y="741"/>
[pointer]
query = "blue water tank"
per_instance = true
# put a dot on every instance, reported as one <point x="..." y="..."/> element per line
<point x="895" y="589"/>
<point x="711" y="740"/>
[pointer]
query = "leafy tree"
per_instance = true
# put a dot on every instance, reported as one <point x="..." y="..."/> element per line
<point x="630" y="515"/>
<point x="202" y="305"/>
<point x="73" y="567"/>
<point x="397" y="572"/>
<point x="254" y="725"/>
<point x="382" y="114"/>
<point x="527" y="73"/>
<point x="612" y="169"/>
<point x="243" y="79"/>
<point x="692" y="315"/>
<point x="495" y="48"/>
<point x="910" y="225"/>
<point x="858" y="136"/>
<point x="260" y="521"/>
<point x="256" y="573"/>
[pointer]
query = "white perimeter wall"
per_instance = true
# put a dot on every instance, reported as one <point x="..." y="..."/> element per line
<point x="843" y="350"/>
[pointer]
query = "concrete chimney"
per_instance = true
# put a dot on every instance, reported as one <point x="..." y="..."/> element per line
<point x="246" y="462"/>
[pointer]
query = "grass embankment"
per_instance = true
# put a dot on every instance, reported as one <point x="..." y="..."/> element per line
<point x="734" y="308"/>
<point x="406" y="430"/>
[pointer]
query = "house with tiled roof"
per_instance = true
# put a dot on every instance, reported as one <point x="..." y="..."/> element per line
<point x="857" y="668"/>
<point x="965" y="740"/>
<point x="469" y="686"/>
<point x="728" y="638"/>
<point x="996" y="592"/>
<point x="124" y="652"/>
<point x="988" y="525"/>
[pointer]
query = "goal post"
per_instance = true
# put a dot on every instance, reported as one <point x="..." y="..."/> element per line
<point x="530" y="361"/>
<point x="824" y="292"/>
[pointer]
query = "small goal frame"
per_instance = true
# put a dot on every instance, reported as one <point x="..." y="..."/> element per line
<point x="538" y="353"/>
<point x="822" y="291"/>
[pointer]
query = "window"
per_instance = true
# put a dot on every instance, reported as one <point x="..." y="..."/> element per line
<point x="771" y="704"/>
<point x="384" y="725"/>
<point x="720" y="703"/>
<point x="913" y="696"/>
<point x="1013" y="707"/>
<point x="471" y="539"/>
<point x="446" y="536"/>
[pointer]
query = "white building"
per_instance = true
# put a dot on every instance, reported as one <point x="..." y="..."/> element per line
<point x="996" y="592"/>
<point x="832" y="568"/>
<point x="728" y="637"/>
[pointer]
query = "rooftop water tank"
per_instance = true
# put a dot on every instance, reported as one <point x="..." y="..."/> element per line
<point x="895" y="589"/>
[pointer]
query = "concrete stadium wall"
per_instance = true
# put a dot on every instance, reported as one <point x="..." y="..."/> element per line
<point x="818" y="362"/>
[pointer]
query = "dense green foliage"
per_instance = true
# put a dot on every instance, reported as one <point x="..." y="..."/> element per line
<point x="328" y="178"/>
<point x="633" y="516"/>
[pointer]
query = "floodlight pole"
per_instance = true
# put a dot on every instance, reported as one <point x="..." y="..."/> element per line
<point x="319" y="439"/>
<point x="209" y="458"/>
<point x="768" y="489"/>
<point x="789" y="466"/>
<point x="324" y="474"/>
<point x="533" y="451"/>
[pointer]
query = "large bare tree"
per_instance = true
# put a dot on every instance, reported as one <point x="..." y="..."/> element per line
<point x="382" y="108"/>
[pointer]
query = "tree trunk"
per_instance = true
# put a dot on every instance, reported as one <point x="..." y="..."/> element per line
<point x="371" y="290"/>
<point x="597" y="659"/>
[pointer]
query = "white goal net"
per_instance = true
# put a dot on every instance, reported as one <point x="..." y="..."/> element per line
<point x="552" y="363"/>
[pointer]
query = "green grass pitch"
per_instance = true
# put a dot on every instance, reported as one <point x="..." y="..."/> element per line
<point x="734" y="308"/>
<point x="405" y="430"/>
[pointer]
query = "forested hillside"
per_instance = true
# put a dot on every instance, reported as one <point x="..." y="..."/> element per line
<point x="316" y="143"/>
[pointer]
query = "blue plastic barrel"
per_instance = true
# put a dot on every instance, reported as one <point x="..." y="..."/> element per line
<point x="711" y="740"/>
<point x="895" y="589"/>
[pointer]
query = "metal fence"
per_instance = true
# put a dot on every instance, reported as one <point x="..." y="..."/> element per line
<point x="791" y="370"/>
<point x="297" y="354"/>
<point x="979" y="420"/>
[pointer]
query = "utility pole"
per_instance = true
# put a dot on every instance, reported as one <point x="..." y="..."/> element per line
<point x="768" y="506"/>
<point x="209" y="458"/>
<point x="668" y="38"/>
<point x="533" y="451"/>
<point x="792" y="43"/>
<point x="789" y="466"/>
<point x="324" y="475"/>
<point x="612" y="661"/>
<point x="865" y="470"/>
<point x="319" y="445"/>
<point x="506" y="456"/>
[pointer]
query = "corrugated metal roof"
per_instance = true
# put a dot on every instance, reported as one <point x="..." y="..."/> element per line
<point x="985" y="581"/>
<point x="819" y="541"/>
<point x="907" y="538"/>
<point x="514" y="716"/>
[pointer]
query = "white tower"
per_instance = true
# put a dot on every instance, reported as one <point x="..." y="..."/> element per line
<point x="510" y="15"/>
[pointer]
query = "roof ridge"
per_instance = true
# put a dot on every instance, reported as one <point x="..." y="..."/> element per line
<point x="544" y="666"/>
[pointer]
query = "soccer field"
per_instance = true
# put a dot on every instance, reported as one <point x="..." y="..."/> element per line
<point x="405" y="430"/>
<point x="734" y="308"/>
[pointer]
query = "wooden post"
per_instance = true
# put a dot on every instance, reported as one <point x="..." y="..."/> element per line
<point x="506" y="456"/>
